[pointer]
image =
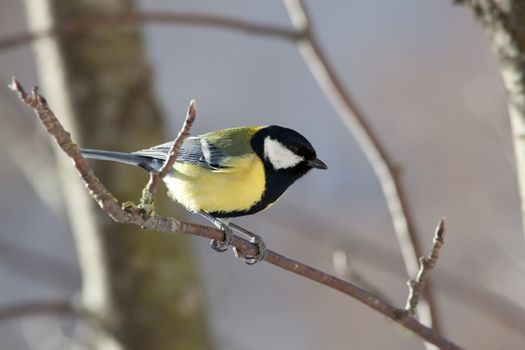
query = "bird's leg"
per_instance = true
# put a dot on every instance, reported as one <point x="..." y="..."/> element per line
<point x="216" y="245"/>
<point x="256" y="239"/>
<point x="226" y="227"/>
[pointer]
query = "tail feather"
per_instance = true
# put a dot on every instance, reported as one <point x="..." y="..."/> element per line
<point x="148" y="163"/>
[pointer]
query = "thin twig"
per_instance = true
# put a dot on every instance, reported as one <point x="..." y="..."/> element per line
<point x="155" y="178"/>
<point x="183" y="134"/>
<point x="135" y="216"/>
<point x="426" y="264"/>
<point x="355" y="121"/>
<point x="84" y="25"/>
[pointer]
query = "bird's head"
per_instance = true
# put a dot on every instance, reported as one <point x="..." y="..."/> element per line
<point x="283" y="149"/>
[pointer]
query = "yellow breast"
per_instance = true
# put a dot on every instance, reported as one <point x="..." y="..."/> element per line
<point x="236" y="188"/>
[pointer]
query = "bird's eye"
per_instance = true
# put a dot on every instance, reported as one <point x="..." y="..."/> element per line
<point x="294" y="148"/>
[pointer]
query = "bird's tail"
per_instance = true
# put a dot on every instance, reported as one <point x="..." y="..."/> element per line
<point x="148" y="163"/>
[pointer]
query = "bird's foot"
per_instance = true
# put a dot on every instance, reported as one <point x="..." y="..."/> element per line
<point x="261" y="250"/>
<point x="222" y="246"/>
<point x="219" y="246"/>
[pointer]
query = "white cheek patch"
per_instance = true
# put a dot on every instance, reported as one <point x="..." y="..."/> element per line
<point x="279" y="155"/>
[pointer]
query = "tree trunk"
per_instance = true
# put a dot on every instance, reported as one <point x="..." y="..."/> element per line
<point x="142" y="286"/>
<point x="504" y="21"/>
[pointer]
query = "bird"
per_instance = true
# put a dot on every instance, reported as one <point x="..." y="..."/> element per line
<point x="228" y="173"/>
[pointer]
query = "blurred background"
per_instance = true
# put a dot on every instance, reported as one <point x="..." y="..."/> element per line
<point x="425" y="76"/>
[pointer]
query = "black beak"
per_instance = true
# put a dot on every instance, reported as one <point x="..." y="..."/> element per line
<point x="317" y="163"/>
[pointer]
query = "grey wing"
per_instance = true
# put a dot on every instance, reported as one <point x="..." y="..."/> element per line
<point x="195" y="150"/>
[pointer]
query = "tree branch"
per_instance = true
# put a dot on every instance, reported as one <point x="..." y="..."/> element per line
<point x="134" y="215"/>
<point x="354" y="119"/>
<point x="85" y="25"/>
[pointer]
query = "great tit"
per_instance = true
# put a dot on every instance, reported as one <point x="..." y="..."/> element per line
<point x="228" y="173"/>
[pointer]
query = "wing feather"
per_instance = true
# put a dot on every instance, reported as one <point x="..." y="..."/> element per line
<point x="213" y="151"/>
<point x="194" y="150"/>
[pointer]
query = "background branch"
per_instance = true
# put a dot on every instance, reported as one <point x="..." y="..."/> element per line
<point x="83" y="25"/>
<point x="171" y="225"/>
<point x="354" y="119"/>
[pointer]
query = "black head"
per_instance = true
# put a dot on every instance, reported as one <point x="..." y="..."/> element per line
<point x="285" y="150"/>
